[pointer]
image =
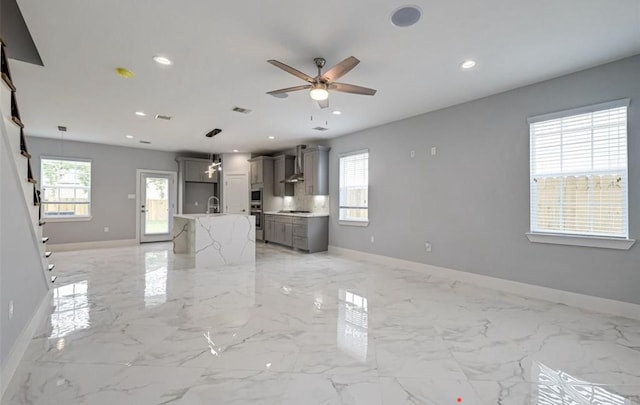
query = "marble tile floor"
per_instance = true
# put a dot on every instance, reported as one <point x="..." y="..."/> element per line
<point x="140" y="325"/>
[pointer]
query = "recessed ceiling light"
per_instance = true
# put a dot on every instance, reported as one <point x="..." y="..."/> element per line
<point x="129" y="136"/>
<point x="271" y="137"/>
<point x="236" y="151"/>
<point x="163" y="60"/>
<point x="140" y="113"/>
<point x="336" y="112"/>
<point x="406" y="16"/>
<point x="468" y="64"/>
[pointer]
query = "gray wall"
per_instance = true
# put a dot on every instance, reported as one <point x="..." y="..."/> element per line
<point x="113" y="176"/>
<point x="471" y="200"/>
<point x="21" y="274"/>
<point x="196" y="196"/>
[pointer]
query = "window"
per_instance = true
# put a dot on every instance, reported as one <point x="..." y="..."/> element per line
<point x="354" y="188"/>
<point x="578" y="175"/>
<point x="66" y="188"/>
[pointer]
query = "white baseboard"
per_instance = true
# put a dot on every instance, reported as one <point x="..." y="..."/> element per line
<point x="588" y="302"/>
<point x="65" y="247"/>
<point x="22" y="343"/>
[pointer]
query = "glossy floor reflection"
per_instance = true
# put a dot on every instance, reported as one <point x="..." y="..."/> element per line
<point x="140" y="325"/>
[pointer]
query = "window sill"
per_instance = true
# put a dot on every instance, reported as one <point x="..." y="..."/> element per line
<point x="576" y="240"/>
<point x="70" y="219"/>
<point x="353" y="223"/>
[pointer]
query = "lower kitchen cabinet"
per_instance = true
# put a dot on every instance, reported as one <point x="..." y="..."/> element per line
<point x="305" y="233"/>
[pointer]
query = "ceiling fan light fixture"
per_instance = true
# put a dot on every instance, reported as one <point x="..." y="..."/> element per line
<point x="319" y="93"/>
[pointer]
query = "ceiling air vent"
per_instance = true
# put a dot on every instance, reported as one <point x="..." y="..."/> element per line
<point x="241" y="110"/>
<point x="163" y="117"/>
<point x="146" y="142"/>
<point x="320" y="129"/>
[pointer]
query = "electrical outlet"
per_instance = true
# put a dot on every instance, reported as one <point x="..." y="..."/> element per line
<point x="413" y="153"/>
<point x="106" y="229"/>
<point x="427" y="246"/>
<point x="373" y="239"/>
<point x="433" y="151"/>
<point x="10" y="309"/>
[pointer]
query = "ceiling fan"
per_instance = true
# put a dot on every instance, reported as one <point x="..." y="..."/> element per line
<point x="322" y="83"/>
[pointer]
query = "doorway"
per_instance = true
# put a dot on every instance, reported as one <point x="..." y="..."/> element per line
<point x="236" y="193"/>
<point x="156" y="205"/>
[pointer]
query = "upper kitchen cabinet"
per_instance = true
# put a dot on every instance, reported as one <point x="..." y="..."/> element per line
<point x="194" y="171"/>
<point x="283" y="167"/>
<point x="316" y="170"/>
<point x="261" y="170"/>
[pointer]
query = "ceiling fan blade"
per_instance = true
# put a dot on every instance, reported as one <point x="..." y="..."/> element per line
<point x="340" y="69"/>
<point x="289" y="89"/>
<point x="291" y="70"/>
<point x="323" y="103"/>
<point x="351" y="88"/>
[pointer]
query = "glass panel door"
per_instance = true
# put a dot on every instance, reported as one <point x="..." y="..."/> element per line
<point x="155" y="210"/>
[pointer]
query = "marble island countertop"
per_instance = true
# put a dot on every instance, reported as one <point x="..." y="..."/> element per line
<point x="215" y="239"/>
<point x="298" y="214"/>
<point x="202" y="215"/>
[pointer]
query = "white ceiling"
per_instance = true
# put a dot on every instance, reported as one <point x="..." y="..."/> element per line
<point x="220" y="49"/>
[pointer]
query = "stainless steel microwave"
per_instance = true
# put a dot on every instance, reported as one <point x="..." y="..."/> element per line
<point x="256" y="195"/>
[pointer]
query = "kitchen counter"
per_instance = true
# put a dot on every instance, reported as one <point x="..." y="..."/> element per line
<point x="298" y="214"/>
<point x="215" y="239"/>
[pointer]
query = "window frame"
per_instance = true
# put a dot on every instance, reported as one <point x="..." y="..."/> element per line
<point x="70" y="218"/>
<point x="576" y="239"/>
<point x="351" y="222"/>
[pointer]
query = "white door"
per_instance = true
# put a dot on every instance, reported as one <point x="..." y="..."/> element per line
<point x="236" y="193"/>
<point x="156" y="205"/>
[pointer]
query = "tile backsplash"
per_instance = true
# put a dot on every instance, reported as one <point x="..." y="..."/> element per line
<point x="304" y="202"/>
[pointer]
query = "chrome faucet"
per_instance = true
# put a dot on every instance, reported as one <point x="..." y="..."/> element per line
<point x="215" y="206"/>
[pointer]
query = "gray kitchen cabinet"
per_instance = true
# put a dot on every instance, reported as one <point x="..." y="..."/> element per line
<point x="261" y="170"/>
<point x="316" y="170"/>
<point x="269" y="225"/>
<point x="311" y="234"/>
<point x="306" y="233"/>
<point x="282" y="168"/>
<point x="194" y="171"/>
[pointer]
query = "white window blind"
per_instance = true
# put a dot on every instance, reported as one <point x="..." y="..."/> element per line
<point x="354" y="187"/>
<point x="66" y="188"/>
<point x="578" y="175"/>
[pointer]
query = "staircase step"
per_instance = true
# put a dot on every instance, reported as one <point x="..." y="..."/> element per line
<point x="23" y="145"/>
<point x="17" y="121"/>
<point x="48" y="254"/>
<point x="7" y="80"/>
<point x="53" y="279"/>
<point x="45" y="239"/>
<point x="51" y="267"/>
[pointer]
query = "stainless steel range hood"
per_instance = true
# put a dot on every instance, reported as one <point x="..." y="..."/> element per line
<point x="297" y="175"/>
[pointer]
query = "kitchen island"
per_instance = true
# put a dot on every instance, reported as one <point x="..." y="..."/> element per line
<point x="215" y="239"/>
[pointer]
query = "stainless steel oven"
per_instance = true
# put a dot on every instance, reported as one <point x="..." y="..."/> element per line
<point x="258" y="214"/>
